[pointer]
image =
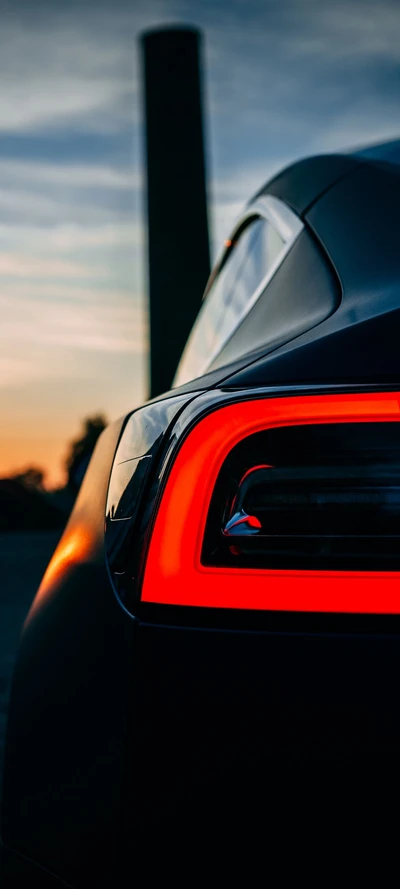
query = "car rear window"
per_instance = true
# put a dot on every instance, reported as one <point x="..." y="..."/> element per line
<point x="251" y="257"/>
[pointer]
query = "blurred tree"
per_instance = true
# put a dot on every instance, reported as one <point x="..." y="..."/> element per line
<point x="32" y="477"/>
<point x="81" y="449"/>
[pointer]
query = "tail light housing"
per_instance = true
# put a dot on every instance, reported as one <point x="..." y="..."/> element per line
<point x="330" y="499"/>
<point x="273" y="502"/>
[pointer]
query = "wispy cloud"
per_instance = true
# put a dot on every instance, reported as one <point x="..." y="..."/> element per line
<point x="16" y="370"/>
<point x="37" y="335"/>
<point x="20" y="266"/>
<point x="60" y="67"/>
<point x="65" y="238"/>
<point x="282" y="80"/>
<point x="63" y="291"/>
<point x="71" y="175"/>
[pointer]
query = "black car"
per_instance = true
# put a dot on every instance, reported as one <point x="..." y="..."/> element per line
<point x="215" y="646"/>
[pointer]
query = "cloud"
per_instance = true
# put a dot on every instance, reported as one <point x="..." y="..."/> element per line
<point x="78" y="66"/>
<point x="38" y="339"/>
<point x="72" y="65"/>
<point x="20" y="266"/>
<point x="356" y="128"/>
<point x="70" y="237"/>
<point x="52" y="208"/>
<point x="78" y="204"/>
<point x="282" y="80"/>
<point x="57" y="66"/>
<point x="282" y="75"/>
<point x="17" y="370"/>
<point x="70" y="175"/>
<point x="66" y="291"/>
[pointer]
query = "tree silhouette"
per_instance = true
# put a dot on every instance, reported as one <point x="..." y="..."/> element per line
<point x="81" y="449"/>
<point x="32" y="477"/>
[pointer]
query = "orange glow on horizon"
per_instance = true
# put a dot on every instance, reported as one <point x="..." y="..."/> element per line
<point x="19" y="452"/>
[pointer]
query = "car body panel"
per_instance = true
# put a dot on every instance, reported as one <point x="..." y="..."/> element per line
<point x="19" y="872"/>
<point x="359" y="340"/>
<point x="67" y="718"/>
<point x="140" y="738"/>
<point x="299" y="186"/>
<point x="303" y="183"/>
<point x="303" y="292"/>
<point x="370" y="192"/>
<point x="359" y="354"/>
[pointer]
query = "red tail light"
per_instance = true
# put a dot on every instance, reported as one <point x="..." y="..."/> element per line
<point x="283" y="504"/>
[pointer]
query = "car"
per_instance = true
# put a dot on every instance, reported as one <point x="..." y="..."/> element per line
<point x="214" y="649"/>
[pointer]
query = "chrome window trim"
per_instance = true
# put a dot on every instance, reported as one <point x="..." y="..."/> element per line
<point x="288" y="226"/>
<point x="281" y="217"/>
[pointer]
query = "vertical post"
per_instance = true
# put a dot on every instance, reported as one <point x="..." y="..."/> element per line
<point x="178" y="243"/>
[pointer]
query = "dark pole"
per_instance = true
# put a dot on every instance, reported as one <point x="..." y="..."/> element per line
<point x="178" y="245"/>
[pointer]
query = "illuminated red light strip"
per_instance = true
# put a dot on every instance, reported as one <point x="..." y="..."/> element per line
<point x="255" y="469"/>
<point x="174" y="574"/>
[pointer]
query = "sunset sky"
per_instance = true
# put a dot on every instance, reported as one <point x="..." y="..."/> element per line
<point x="283" y="78"/>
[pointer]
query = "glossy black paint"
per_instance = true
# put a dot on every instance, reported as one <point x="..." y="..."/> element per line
<point x="303" y="183"/>
<point x="367" y="351"/>
<point x="20" y="872"/>
<point x="355" y="223"/>
<point x="128" y="735"/>
<point x="68" y="713"/>
<point x="246" y="737"/>
<point x="173" y="732"/>
<point x="359" y="340"/>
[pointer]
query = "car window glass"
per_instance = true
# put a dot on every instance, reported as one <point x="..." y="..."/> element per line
<point x="249" y="259"/>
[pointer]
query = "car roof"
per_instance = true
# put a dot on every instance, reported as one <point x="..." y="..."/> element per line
<point x="302" y="183"/>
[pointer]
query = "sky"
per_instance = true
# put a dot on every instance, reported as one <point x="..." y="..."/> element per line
<point x="282" y="79"/>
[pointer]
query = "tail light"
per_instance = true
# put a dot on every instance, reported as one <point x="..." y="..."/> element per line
<point x="329" y="500"/>
<point x="283" y="504"/>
